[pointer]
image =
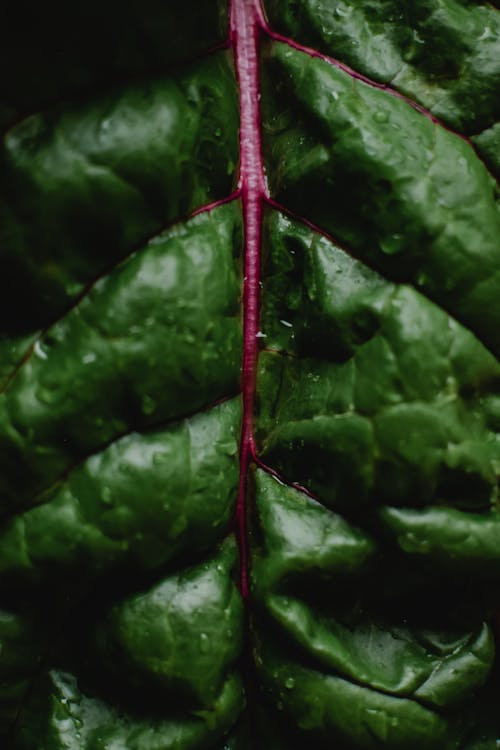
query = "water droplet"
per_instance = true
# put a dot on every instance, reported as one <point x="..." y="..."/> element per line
<point x="289" y="683"/>
<point x="261" y="335"/>
<point x="88" y="358"/>
<point x="286" y="323"/>
<point x="380" y="116"/>
<point x="487" y="34"/>
<point x="39" y="351"/>
<point x="204" y="643"/>
<point x="392" y="244"/>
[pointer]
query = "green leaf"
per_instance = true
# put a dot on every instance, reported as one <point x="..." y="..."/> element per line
<point x="69" y="719"/>
<point x="148" y="152"/>
<point x="350" y="663"/>
<point x="444" y="55"/>
<point x="156" y="339"/>
<point x="371" y="627"/>
<point x="121" y="343"/>
<point x="246" y="511"/>
<point x="405" y="195"/>
<point x="145" y="500"/>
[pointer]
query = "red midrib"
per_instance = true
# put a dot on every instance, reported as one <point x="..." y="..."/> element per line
<point x="246" y="19"/>
<point x="247" y="23"/>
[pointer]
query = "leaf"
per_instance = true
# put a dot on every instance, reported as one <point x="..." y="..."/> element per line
<point x="76" y="717"/>
<point x="100" y="45"/>
<point x="160" y="641"/>
<point x="404" y="194"/>
<point x="156" y="339"/>
<point x="158" y="636"/>
<point x="375" y="394"/>
<point x="443" y="55"/>
<point x="359" y="660"/>
<point x="249" y="408"/>
<point x="149" y="152"/>
<point x="142" y="502"/>
<point x="395" y="407"/>
<point x="120" y="416"/>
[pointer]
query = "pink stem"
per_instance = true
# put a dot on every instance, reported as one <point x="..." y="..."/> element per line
<point x="245" y="29"/>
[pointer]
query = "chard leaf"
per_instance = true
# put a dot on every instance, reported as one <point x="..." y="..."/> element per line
<point x="249" y="377"/>
<point x="444" y="55"/>
<point x="402" y="193"/>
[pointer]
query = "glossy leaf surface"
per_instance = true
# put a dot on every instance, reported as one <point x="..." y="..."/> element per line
<point x="122" y="623"/>
<point x="249" y="386"/>
<point x="377" y="388"/>
<point x="404" y="194"/>
<point x="444" y="55"/>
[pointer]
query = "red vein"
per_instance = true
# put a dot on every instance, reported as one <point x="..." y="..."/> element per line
<point x="46" y="495"/>
<point x="284" y="480"/>
<point x="276" y="37"/>
<point x="386" y="87"/>
<point x="310" y="225"/>
<point x="246" y="21"/>
<point x="207" y="207"/>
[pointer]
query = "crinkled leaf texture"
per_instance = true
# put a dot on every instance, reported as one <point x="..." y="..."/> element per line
<point x="224" y="532"/>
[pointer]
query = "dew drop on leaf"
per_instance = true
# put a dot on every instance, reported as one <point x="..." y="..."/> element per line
<point x="39" y="351"/>
<point x="392" y="244"/>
